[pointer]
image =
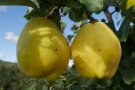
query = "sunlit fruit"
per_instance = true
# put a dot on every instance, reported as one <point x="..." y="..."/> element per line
<point x="96" y="51"/>
<point x="42" y="50"/>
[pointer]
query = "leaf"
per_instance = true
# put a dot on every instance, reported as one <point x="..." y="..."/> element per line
<point x="30" y="3"/>
<point x="113" y="2"/>
<point x="124" y="30"/>
<point x="105" y="82"/>
<point x="91" y="87"/>
<point x="73" y="3"/>
<point x="110" y="2"/>
<point x="74" y="27"/>
<point x="30" y="86"/>
<point x="63" y="25"/>
<point x="76" y="86"/>
<point x="31" y="13"/>
<point x="70" y="37"/>
<point x="87" y="83"/>
<point x="83" y="21"/>
<point x="59" y="83"/>
<point x="56" y="18"/>
<point x="44" y="87"/>
<point x="93" y="5"/>
<point x="65" y="10"/>
<point x="129" y="75"/>
<point x="76" y="14"/>
<point x="116" y="79"/>
<point x="129" y="61"/>
<point x="119" y="2"/>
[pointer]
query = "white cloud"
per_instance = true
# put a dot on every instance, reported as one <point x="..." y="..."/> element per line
<point x="3" y="8"/>
<point x="2" y="55"/>
<point x="10" y="36"/>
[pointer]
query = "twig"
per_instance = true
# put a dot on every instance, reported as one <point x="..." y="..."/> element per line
<point x="113" y="12"/>
<point x="108" y="16"/>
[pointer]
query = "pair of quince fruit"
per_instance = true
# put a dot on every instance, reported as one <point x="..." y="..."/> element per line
<point x="42" y="50"/>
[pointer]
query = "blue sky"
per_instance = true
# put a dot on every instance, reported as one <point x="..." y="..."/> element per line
<point x="12" y="22"/>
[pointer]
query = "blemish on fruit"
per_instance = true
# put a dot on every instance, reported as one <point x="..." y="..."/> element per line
<point x="99" y="49"/>
<point x="56" y="49"/>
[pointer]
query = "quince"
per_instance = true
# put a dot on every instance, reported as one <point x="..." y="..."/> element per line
<point x="96" y="51"/>
<point x="42" y="50"/>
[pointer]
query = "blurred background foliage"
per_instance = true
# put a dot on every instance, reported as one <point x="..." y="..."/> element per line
<point x="80" y="12"/>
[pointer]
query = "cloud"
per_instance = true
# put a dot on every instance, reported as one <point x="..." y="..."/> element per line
<point x="2" y="55"/>
<point x="10" y="36"/>
<point x="3" y="8"/>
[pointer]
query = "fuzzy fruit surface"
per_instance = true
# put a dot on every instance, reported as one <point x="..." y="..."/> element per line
<point x="96" y="51"/>
<point x="42" y="50"/>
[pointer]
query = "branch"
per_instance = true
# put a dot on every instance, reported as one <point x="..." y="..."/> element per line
<point x="108" y="16"/>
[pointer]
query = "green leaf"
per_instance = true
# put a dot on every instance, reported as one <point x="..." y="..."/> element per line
<point x="31" y="13"/>
<point x="105" y="82"/>
<point x="73" y="3"/>
<point x="65" y="10"/>
<point x="110" y="2"/>
<point x="74" y="27"/>
<point x="93" y="5"/>
<point x="30" y="86"/>
<point x="44" y="87"/>
<point x="76" y="86"/>
<point x="87" y="83"/>
<point x="113" y="2"/>
<point x="129" y="75"/>
<point x="129" y="61"/>
<point x="116" y="79"/>
<point x="83" y="21"/>
<point x="56" y="18"/>
<point x="63" y="25"/>
<point x="59" y="84"/>
<point x="124" y="30"/>
<point x="91" y="87"/>
<point x="76" y="14"/>
<point x="119" y="2"/>
<point x="70" y="37"/>
<point x="30" y="3"/>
